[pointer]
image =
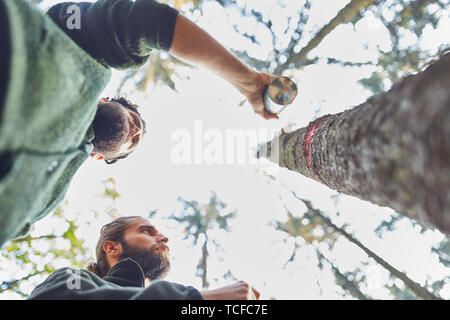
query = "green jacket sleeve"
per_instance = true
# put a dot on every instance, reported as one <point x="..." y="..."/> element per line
<point x="164" y="290"/>
<point x="72" y="284"/>
<point x="118" y="33"/>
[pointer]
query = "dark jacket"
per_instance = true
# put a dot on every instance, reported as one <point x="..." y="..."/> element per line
<point x="124" y="281"/>
<point x="51" y="77"/>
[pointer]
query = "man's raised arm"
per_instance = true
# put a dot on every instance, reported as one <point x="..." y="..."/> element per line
<point x="195" y="46"/>
<point x="122" y="33"/>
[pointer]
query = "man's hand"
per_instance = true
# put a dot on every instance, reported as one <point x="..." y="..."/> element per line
<point x="253" y="90"/>
<point x="240" y="290"/>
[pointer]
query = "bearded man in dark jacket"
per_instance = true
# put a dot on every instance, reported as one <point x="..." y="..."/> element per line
<point x="129" y="251"/>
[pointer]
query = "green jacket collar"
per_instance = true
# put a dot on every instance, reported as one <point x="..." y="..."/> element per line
<point x="126" y="273"/>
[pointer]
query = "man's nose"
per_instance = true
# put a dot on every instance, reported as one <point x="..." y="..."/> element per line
<point x="136" y="130"/>
<point x="137" y="124"/>
<point x="162" y="238"/>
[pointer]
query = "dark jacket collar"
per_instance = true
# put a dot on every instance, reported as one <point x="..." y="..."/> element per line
<point x="126" y="273"/>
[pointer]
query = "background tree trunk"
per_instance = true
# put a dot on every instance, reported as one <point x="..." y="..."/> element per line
<point x="420" y="291"/>
<point x="203" y="264"/>
<point x="342" y="280"/>
<point x="343" y="16"/>
<point x="393" y="150"/>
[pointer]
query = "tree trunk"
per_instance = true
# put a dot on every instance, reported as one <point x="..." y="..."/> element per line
<point x="393" y="150"/>
<point x="203" y="264"/>
<point x="342" y="280"/>
<point x="411" y="284"/>
<point x="343" y="16"/>
<point x="420" y="291"/>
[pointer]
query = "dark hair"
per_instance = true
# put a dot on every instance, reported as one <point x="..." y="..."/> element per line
<point x="133" y="107"/>
<point x="112" y="231"/>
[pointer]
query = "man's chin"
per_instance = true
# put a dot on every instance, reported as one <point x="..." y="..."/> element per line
<point x="160" y="273"/>
<point x="155" y="262"/>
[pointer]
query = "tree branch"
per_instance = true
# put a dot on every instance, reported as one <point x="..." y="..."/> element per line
<point x="344" y="16"/>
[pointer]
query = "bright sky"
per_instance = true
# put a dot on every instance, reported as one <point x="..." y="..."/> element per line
<point x="150" y="178"/>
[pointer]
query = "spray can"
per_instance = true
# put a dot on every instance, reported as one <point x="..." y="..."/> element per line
<point x="279" y="94"/>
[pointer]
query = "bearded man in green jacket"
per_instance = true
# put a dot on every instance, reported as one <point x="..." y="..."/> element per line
<point x="52" y="72"/>
<point x="130" y="252"/>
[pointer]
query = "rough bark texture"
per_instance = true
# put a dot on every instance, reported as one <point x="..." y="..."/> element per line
<point x="393" y="150"/>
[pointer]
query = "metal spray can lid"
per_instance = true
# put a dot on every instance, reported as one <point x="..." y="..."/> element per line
<point x="279" y="94"/>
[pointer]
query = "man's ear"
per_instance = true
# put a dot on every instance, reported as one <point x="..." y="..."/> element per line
<point x="112" y="249"/>
<point x="97" y="156"/>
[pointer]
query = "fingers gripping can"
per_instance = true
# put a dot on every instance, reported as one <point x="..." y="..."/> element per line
<point x="279" y="94"/>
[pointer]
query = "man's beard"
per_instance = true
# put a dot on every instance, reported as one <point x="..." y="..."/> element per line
<point x="155" y="265"/>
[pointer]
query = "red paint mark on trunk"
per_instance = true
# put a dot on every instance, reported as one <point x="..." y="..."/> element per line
<point x="309" y="138"/>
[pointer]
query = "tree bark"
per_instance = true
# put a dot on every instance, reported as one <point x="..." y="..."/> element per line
<point x="343" y="16"/>
<point x="392" y="150"/>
